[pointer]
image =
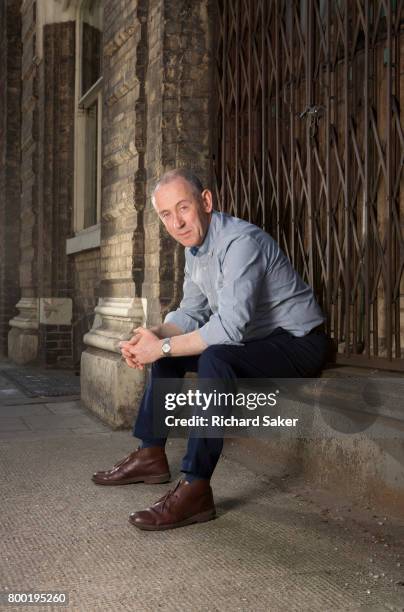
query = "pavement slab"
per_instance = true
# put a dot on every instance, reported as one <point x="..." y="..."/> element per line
<point x="273" y="546"/>
<point x="27" y="410"/>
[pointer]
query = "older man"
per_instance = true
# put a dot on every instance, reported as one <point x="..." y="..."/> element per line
<point x="245" y="313"/>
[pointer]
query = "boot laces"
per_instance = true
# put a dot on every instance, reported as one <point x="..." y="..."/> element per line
<point x="166" y="498"/>
<point x="125" y="459"/>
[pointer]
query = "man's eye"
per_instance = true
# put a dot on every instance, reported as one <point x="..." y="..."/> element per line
<point x="184" y="208"/>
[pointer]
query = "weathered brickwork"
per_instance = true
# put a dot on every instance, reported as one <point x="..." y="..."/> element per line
<point x="55" y="345"/>
<point x="178" y="102"/>
<point x="47" y="162"/>
<point x="10" y="185"/>
<point x="86" y="288"/>
<point x="156" y="60"/>
<point x="125" y="57"/>
<point x="30" y="171"/>
<point x="56" y="158"/>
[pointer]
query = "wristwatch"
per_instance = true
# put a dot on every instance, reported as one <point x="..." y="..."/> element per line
<point x="166" y="347"/>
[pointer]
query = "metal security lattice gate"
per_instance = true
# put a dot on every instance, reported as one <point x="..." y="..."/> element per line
<point x="310" y="146"/>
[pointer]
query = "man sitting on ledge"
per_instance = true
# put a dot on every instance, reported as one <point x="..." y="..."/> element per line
<point x="245" y="313"/>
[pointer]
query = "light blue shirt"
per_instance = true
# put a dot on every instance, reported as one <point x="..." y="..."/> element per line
<point x="240" y="286"/>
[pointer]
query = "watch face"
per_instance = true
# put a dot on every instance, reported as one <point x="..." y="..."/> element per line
<point x="166" y="347"/>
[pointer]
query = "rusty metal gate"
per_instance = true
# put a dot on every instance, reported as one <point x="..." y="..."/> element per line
<point x="310" y="146"/>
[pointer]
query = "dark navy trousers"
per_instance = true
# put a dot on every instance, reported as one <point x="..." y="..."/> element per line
<point x="279" y="355"/>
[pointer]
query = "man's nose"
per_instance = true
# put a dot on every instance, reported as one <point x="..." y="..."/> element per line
<point x="178" y="222"/>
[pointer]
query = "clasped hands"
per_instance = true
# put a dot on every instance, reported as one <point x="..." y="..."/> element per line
<point x="143" y="348"/>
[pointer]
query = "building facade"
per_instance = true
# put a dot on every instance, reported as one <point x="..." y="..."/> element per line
<point x="291" y="111"/>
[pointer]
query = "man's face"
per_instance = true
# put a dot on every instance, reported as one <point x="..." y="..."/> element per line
<point x="185" y="217"/>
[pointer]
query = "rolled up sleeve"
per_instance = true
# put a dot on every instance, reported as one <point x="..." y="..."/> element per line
<point x="244" y="266"/>
<point x="193" y="311"/>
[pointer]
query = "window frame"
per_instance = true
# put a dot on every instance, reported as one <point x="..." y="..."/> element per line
<point x="82" y="103"/>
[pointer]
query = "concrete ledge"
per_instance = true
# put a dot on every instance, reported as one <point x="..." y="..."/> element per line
<point x="355" y="449"/>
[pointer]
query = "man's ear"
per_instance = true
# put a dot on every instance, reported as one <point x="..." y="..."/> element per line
<point x="207" y="200"/>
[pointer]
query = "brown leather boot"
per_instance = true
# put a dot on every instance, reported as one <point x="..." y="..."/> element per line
<point x="147" y="465"/>
<point x="188" y="502"/>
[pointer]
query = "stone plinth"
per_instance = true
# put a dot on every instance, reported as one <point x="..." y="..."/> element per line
<point x="108" y="387"/>
<point x="23" y="335"/>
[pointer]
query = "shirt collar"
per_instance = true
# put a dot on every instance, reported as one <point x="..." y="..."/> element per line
<point x="208" y="242"/>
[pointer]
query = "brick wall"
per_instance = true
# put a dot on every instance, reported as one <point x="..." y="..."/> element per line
<point x="156" y="117"/>
<point x="57" y="148"/>
<point x="56" y="181"/>
<point x="125" y="56"/>
<point x="178" y="130"/>
<point x="86" y="288"/>
<point x="29" y="154"/>
<point x="47" y="159"/>
<point x="10" y="181"/>
<point x="156" y="66"/>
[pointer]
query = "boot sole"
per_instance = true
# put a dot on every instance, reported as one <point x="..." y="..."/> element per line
<point x="203" y="517"/>
<point x="145" y="479"/>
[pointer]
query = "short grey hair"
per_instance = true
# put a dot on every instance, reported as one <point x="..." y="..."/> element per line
<point x="187" y="175"/>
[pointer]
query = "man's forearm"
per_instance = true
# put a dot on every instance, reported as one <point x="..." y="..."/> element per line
<point x="147" y="347"/>
<point x="185" y="345"/>
<point x="166" y="330"/>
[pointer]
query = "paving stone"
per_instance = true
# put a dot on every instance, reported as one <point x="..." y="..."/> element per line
<point x="20" y="400"/>
<point x="32" y="435"/>
<point x="267" y="550"/>
<point x="12" y="424"/>
<point x="54" y="421"/>
<point x="64" y="406"/>
<point x="71" y="408"/>
<point x="89" y="430"/>
<point x="26" y="410"/>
